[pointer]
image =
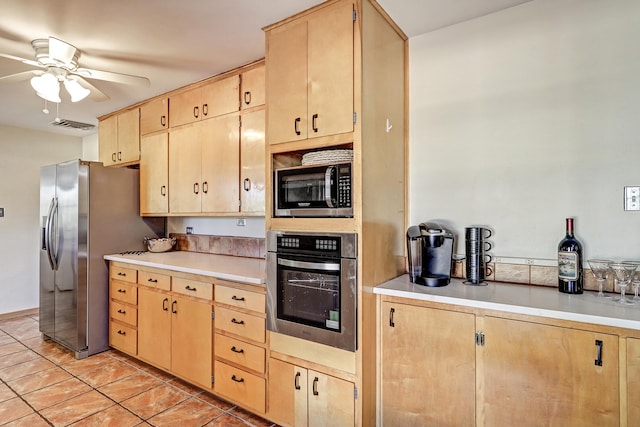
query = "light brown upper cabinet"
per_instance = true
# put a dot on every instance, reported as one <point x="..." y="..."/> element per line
<point x="154" y="116"/>
<point x="253" y="93"/>
<point x="204" y="102"/>
<point x="119" y="138"/>
<point x="252" y="160"/>
<point x="204" y="166"/>
<point x="310" y="78"/>
<point x="154" y="174"/>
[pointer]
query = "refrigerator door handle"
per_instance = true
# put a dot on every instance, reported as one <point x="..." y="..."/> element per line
<point x="51" y="219"/>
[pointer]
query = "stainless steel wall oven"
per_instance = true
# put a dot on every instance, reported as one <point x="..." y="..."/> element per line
<point x="311" y="286"/>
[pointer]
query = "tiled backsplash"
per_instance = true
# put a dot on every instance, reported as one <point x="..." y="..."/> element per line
<point x="251" y="247"/>
<point x="529" y="272"/>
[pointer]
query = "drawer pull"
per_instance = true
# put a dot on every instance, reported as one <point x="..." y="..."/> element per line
<point x="235" y="350"/>
<point x="121" y="311"/>
<point x="122" y="291"/>
<point x="165" y="307"/>
<point x="152" y="280"/>
<point x="120" y="273"/>
<point x="121" y="332"/>
<point x="235" y="298"/>
<point x="236" y="379"/>
<point x="173" y="307"/>
<point x="189" y="288"/>
<point x="237" y="322"/>
<point x="598" y="361"/>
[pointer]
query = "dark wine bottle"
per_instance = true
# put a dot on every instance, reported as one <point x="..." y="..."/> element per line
<point x="570" y="262"/>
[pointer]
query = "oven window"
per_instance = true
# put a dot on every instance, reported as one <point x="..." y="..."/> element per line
<point x="309" y="297"/>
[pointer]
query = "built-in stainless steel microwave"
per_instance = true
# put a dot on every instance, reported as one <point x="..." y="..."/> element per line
<point x="313" y="191"/>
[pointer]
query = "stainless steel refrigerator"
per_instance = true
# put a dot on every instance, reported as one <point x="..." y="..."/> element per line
<point x="86" y="211"/>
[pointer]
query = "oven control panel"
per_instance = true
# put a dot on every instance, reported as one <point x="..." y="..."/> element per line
<point x="309" y="244"/>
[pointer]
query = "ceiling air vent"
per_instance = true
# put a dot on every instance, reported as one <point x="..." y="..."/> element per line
<point x="70" y="124"/>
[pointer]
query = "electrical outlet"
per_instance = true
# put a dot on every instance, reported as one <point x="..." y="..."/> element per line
<point x="1" y="212"/>
<point x="241" y="222"/>
<point x="189" y="230"/>
<point x="632" y="198"/>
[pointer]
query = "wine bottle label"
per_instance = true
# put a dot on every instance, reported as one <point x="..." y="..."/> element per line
<point x="568" y="265"/>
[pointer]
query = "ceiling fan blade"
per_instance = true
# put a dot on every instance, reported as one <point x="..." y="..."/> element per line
<point x="112" y="77"/>
<point x="61" y="51"/>
<point x="95" y="94"/>
<point x="25" y="75"/>
<point x="17" y="58"/>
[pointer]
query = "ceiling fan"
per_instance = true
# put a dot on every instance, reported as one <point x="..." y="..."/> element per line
<point x="58" y="61"/>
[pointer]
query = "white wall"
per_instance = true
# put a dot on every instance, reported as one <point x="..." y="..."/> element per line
<point x="524" y="117"/>
<point x="254" y="227"/>
<point x="22" y="153"/>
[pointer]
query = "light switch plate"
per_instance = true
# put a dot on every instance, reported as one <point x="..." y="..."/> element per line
<point x="1" y="212"/>
<point x="632" y="198"/>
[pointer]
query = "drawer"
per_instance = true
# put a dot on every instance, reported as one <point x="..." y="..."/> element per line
<point x="240" y="324"/>
<point x="192" y="288"/>
<point x="124" y="292"/>
<point x="241" y="298"/>
<point x="123" y="274"/>
<point x="123" y="338"/>
<point x="123" y="313"/>
<point x="160" y="281"/>
<point x="247" y="389"/>
<point x="241" y="353"/>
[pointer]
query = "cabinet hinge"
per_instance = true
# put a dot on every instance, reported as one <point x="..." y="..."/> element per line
<point x="355" y="15"/>
<point x="355" y="392"/>
<point x="480" y="338"/>
<point x="355" y="117"/>
<point x="212" y="378"/>
<point x="213" y="314"/>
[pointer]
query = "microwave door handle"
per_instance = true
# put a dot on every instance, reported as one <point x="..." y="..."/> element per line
<point x="328" y="193"/>
<point x="309" y="265"/>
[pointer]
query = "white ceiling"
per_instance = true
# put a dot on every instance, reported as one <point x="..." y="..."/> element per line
<point x="173" y="43"/>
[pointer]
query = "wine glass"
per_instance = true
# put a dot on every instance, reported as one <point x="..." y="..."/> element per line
<point x="600" y="268"/>
<point x="622" y="272"/>
<point x="635" y="280"/>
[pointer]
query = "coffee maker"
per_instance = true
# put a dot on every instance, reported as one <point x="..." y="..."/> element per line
<point x="430" y="251"/>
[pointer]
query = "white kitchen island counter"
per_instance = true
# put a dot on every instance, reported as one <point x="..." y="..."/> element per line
<point x="240" y="269"/>
<point x="520" y="299"/>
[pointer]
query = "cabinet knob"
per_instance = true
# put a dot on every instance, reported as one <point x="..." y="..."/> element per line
<point x="205" y="187"/>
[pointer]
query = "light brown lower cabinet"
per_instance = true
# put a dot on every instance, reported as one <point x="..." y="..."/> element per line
<point x="448" y="368"/>
<point x="303" y="397"/>
<point x="633" y="381"/>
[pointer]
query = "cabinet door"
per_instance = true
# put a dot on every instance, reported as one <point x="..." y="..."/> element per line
<point x="287" y="394"/>
<point x="428" y="366"/>
<point x="154" y="327"/>
<point x="330" y="401"/>
<point x="252" y="161"/>
<point x="221" y="97"/>
<point x="192" y="340"/>
<point x="108" y="140"/>
<point x="154" y="174"/>
<point x="128" y="136"/>
<point x="185" y="159"/>
<point x="287" y="83"/>
<point x="532" y="370"/>
<point x="154" y="116"/>
<point x="330" y="70"/>
<point x="185" y="107"/>
<point x="633" y="380"/>
<point x="253" y="88"/>
<point x="220" y="138"/>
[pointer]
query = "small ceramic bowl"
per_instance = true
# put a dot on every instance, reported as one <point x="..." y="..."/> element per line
<point x="159" y="245"/>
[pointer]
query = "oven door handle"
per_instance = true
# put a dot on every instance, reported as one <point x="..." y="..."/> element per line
<point x="309" y="265"/>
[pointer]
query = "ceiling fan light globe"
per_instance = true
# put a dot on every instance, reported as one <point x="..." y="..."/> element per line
<point x="77" y="92"/>
<point x="47" y="87"/>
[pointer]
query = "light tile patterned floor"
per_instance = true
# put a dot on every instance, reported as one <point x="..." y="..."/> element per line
<point x="42" y="384"/>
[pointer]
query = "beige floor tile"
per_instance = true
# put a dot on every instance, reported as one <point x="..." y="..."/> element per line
<point x="6" y="393"/>
<point x="130" y="386"/>
<point x="115" y="416"/>
<point x="13" y="409"/>
<point x="25" y="368"/>
<point x="33" y="420"/>
<point x="39" y="380"/>
<point x="17" y="357"/>
<point x="6" y="339"/>
<point x="76" y="409"/>
<point x="185" y="386"/>
<point x="108" y="373"/>
<point x="11" y="348"/>
<point x="154" y="401"/>
<point x="82" y="366"/>
<point x="56" y="393"/>
<point x="250" y="418"/>
<point x="190" y="413"/>
<point x="215" y="401"/>
<point x="226" y="420"/>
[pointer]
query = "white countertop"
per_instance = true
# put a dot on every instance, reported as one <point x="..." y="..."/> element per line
<point x="248" y="270"/>
<point x="520" y="299"/>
